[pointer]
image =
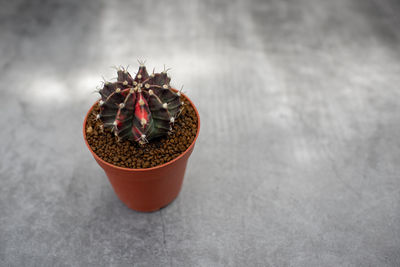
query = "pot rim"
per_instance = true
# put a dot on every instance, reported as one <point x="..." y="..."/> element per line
<point x="146" y="169"/>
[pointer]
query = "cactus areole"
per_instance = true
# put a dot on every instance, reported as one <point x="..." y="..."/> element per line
<point x="139" y="109"/>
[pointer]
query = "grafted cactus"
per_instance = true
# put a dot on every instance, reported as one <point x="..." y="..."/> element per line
<point x="141" y="108"/>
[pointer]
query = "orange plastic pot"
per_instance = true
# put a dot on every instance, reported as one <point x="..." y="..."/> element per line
<point x="147" y="189"/>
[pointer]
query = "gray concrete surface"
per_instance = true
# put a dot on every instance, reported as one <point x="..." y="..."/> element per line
<point x="297" y="163"/>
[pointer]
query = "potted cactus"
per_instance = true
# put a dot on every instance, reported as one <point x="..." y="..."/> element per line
<point x="142" y="132"/>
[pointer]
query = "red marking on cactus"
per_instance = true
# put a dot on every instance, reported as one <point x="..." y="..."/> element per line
<point x="125" y="92"/>
<point x="141" y="110"/>
<point x="120" y="119"/>
<point x="136" y="133"/>
<point x="117" y="119"/>
<point x="141" y="70"/>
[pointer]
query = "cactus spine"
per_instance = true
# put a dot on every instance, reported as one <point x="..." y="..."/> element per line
<point x="141" y="108"/>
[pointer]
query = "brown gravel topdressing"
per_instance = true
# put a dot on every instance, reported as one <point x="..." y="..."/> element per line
<point x="132" y="155"/>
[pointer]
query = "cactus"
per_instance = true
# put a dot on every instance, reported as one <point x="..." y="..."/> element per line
<point x="141" y="108"/>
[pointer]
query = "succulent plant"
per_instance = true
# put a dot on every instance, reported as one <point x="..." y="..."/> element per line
<point x="141" y="108"/>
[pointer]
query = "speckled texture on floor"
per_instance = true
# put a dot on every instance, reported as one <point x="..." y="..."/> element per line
<point x="297" y="162"/>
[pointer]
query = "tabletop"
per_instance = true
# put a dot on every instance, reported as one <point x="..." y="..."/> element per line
<point x="297" y="162"/>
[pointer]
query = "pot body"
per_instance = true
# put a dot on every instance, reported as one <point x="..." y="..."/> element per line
<point x="147" y="189"/>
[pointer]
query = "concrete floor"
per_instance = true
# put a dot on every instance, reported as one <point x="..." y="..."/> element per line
<point x="297" y="163"/>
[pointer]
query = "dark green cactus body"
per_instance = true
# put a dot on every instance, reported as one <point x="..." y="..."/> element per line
<point x="141" y="108"/>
